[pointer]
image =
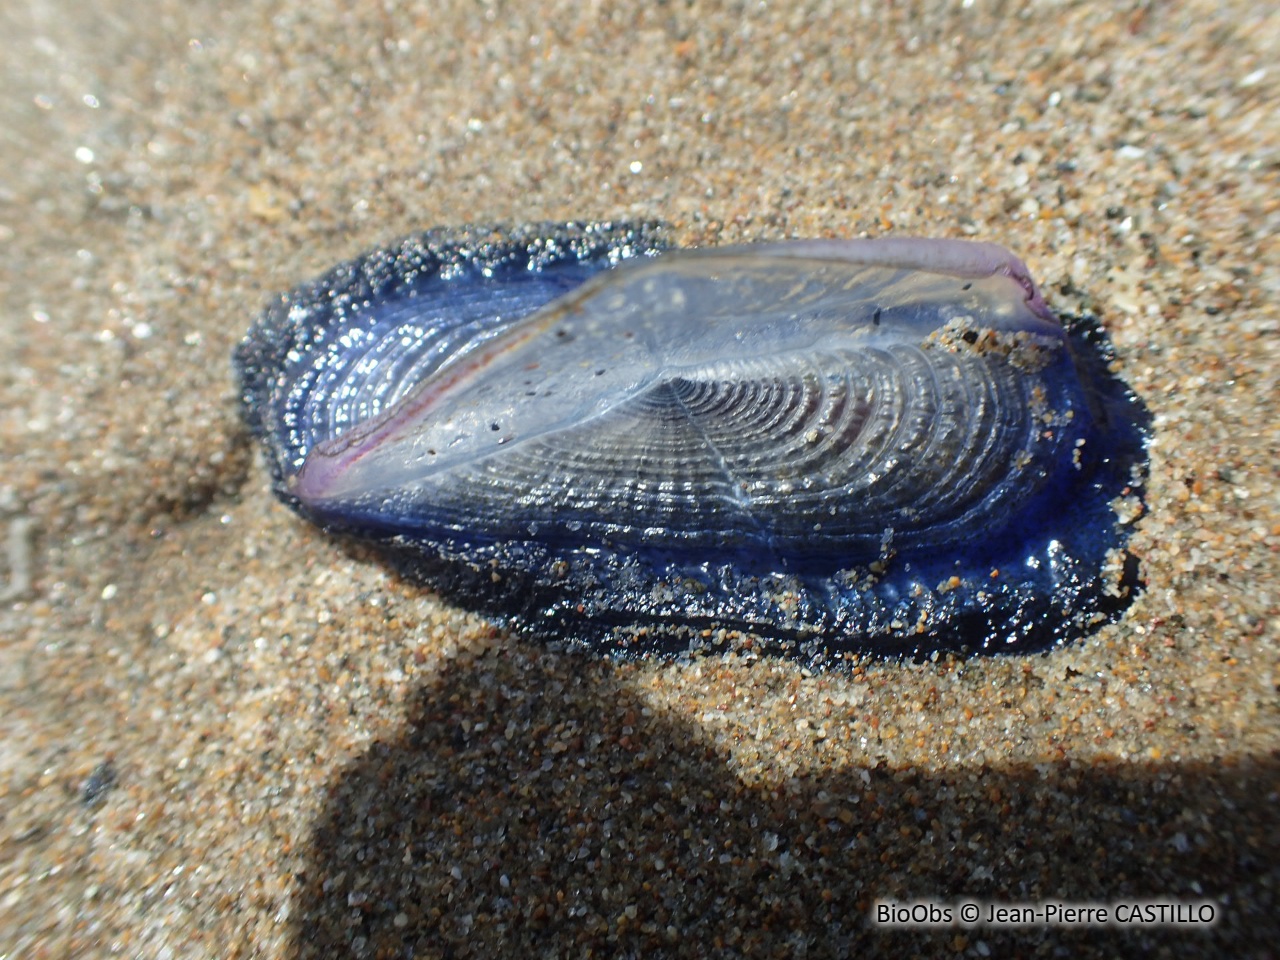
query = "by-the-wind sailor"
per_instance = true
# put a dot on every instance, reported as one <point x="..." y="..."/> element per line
<point x="828" y="446"/>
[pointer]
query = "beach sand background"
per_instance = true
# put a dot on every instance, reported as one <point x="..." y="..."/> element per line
<point x="223" y="735"/>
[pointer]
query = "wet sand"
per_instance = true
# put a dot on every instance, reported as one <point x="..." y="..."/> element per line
<point x="225" y="735"/>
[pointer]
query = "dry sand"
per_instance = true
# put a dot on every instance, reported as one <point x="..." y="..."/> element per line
<point x="225" y="736"/>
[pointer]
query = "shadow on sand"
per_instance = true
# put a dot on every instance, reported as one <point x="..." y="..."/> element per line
<point x="521" y="814"/>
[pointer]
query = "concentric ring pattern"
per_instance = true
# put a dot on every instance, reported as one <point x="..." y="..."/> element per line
<point x="834" y="445"/>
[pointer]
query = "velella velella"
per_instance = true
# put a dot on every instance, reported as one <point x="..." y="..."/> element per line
<point x="822" y="446"/>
